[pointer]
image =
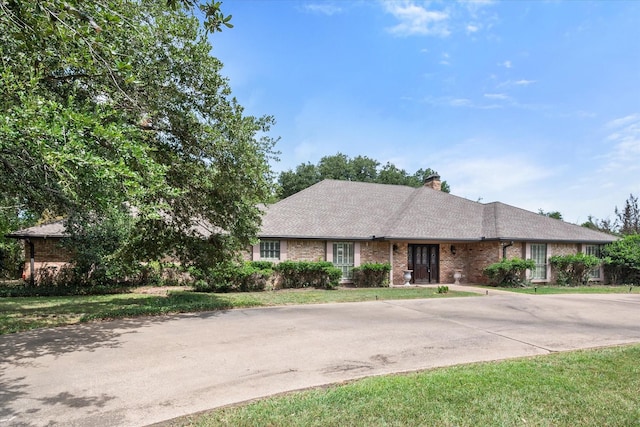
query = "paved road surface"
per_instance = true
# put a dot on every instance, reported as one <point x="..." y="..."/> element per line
<point x="138" y="372"/>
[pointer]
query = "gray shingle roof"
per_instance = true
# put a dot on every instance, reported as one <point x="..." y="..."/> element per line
<point x="356" y="210"/>
<point x="51" y="229"/>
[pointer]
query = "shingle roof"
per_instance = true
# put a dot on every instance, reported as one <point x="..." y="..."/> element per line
<point x="356" y="210"/>
<point x="51" y="229"/>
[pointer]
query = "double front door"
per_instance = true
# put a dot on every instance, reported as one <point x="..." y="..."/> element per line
<point x="424" y="260"/>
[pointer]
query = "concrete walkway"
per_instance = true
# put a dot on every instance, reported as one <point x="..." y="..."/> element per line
<point x="141" y="371"/>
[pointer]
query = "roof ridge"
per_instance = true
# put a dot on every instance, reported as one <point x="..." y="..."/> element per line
<point x="397" y="216"/>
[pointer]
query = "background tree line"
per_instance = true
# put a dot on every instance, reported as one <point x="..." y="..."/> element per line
<point x="342" y="167"/>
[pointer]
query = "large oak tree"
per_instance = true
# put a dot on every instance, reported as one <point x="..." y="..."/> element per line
<point x="112" y="105"/>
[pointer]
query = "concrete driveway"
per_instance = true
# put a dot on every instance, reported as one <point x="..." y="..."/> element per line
<point x="142" y="371"/>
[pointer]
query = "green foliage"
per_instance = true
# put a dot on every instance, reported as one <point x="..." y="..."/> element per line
<point x="261" y="265"/>
<point x="341" y="167"/>
<point x="443" y="289"/>
<point x="50" y="282"/>
<point x="13" y="216"/>
<point x="233" y="277"/>
<point x="371" y="275"/>
<point x="508" y="272"/>
<point x="629" y="217"/>
<point x="302" y="274"/>
<point x="119" y="103"/>
<point x="95" y="246"/>
<point x="573" y="270"/>
<point x="554" y="214"/>
<point x="622" y="260"/>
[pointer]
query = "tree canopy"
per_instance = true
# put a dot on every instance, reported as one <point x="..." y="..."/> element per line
<point x="342" y="167"/>
<point x="625" y="223"/>
<point x="118" y="105"/>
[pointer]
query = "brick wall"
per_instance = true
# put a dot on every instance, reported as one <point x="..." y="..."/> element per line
<point x="48" y="254"/>
<point x="374" y="252"/>
<point x="306" y="250"/>
<point x="399" y="261"/>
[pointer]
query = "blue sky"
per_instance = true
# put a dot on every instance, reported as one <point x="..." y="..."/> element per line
<point x="531" y="103"/>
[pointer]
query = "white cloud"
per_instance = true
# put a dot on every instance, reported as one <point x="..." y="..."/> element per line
<point x="445" y="59"/>
<point x="417" y="20"/>
<point x="506" y="64"/>
<point x="623" y="121"/>
<point x="472" y="28"/>
<point x="323" y="8"/>
<point x="512" y="83"/>
<point x="460" y="102"/>
<point x="624" y="140"/>
<point x="501" y="96"/>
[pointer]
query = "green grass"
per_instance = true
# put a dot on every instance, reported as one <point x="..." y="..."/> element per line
<point x="24" y="313"/>
<point x="589" y="388"/>
<point x="552" y="290"/>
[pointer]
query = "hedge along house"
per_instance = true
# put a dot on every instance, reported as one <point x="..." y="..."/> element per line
<point x="432" y="233"/>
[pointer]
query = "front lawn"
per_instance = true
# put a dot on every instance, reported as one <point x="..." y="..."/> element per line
<point x="583" y="388"/>
<point x="24" y="313"/>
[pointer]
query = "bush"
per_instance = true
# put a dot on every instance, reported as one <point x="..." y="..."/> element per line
<point x="371" y="275"/>
<point x="622" y="260"/>
<point x="302" y="274"/>
<point x="508" y="272"/>
<point x="233" y="277"/>
<point x="573" y="270"/>
<point x="443" y="289"/>
<point x="59" y="282"/>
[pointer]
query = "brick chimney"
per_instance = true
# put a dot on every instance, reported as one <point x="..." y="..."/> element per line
<point x="433" y="181"/>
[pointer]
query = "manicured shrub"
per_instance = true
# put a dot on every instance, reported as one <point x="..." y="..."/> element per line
<point x="233" y="277"/>
<point x="302" y="274"/>
<point x="372" y="275"/>
<point x="508" y="272"/>
<point x="573" y="270"/>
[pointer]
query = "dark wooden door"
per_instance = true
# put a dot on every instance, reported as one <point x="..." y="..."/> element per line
<point x="424" y="260"/>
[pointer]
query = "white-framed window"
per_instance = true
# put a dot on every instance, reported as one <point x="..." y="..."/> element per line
<point x="343" y="258"/>
<point x="595" y="251"/>
<point x="539" y="256"/>
<point x="269" y="249"/>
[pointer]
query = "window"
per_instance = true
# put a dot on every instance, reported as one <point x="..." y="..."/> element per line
<point x="595" y="251"/>
<point x="343" y="258"/>
<point x="269" y="249"/>
<point x="539" y="256"/>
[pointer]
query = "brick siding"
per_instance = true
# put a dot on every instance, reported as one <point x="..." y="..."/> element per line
<point x="48" y="253"/>
<point x="306" y="250"/>
<point x="374" y="252"/>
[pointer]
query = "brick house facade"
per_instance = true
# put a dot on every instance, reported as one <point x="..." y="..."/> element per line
<point x="432" y="233"/>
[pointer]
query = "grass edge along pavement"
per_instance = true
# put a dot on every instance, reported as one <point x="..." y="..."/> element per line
<point x="19" y="314"/>
<point x="584" y="387"/>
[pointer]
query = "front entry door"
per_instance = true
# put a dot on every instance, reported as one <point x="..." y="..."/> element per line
<point x="424" y="260"/>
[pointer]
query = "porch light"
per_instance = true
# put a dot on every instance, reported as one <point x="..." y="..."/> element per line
<point x="453" y="250"/>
